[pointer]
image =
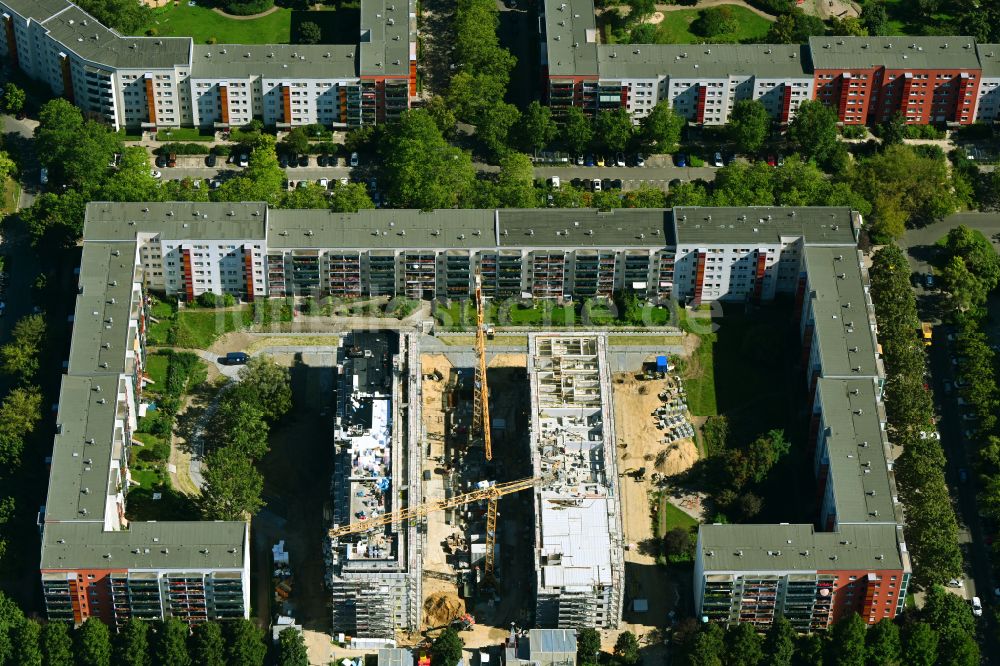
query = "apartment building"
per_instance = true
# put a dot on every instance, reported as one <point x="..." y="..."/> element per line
<point x="856" y="560"/>
<point x="161" y="82"/>
<point x="867" y="79"/>
<point x="95" y="562"/>
<point x="579" y="561"/>
<point x="375" y="577"/>
<point x="988" y="102"/>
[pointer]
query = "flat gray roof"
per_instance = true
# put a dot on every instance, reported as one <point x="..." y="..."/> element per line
<point x="175" y="220"/>
<point x="820" y="225"/>
<point x="701" y="61"/>
<point x="162" y="545"/>
<point x="952" y="52"/>
<point x="381" y="229"/>
<point x="388" y="34"/>
<point x="83" y="34"/>
<point x="543" y="641"/>
<point x="755" y="548"/>
<point x="855" y="440"/>
<point x="586" y="227"/>
<point x="571" y="37"/>
<point x="101" y="318"/>
<point x="38" y="10"/>
<point x="842" y="324"/>
<point x="989" y="59"/>
<point x="76" y="465"/>
<point x="275" y="61"/>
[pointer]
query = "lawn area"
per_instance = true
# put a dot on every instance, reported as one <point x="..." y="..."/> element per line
<point x="203" y="24"/>
<point x="198" y="329"/>
<point x="184" y="134"/>
<point x="670" y="517"/>
<point x="904" y="18"/>
<point x="11" y="190"/>
<point x="644" y="340"/>
<point x="699" y="378"/>
<point x="461" y="315"/>
<point x="156" y="368"/>
<point x="675" y="27"/>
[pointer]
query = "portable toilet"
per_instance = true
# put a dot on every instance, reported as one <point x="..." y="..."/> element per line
<point x="661" y="365"/>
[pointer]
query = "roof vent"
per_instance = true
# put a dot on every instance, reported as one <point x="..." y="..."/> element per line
<point x="865" y="46"/>
<point x="855" y="391"/>
<point x="739" y="553"/>
<point x="222" y="51"/>
<point x="461" y="237"/>
<point x="945" y="45"/>
<point x="871" y="493"/>
<point x="858" y="412"/>
<point x="247" y="54"/>
<point x="284" y="232"/>
<point x="309" y="232"/>
<point x="101" y="401"/>
<point x="636" y="52"/>
<point x="104" y="364"/>
<point x="880" y="556"/>
<point x="613" y="55"/>
<point x="89" y="440"/>
<point x="864" y="444"/>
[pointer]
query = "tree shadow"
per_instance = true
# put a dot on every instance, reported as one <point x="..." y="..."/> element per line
<point x="340" y="26"/>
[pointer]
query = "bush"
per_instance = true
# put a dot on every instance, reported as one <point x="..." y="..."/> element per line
<point x="157" y="452"/>
<point x="695" y="161"/>
<point x="715" y="21"/>
<point x="853" y="131"/>
<point x="248" y="7"/>
<point x="182" y="149"/>
<point x="210" y="300"/>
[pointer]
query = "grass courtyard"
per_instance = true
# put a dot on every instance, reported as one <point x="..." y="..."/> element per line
<point x="676" y="27"/>
<point x="280" y="26"/>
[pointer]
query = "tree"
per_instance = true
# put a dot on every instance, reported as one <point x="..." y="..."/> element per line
<point x="779" y="642"/>
<point x="743" y="645"/>
<point x="640" y="10"/>
<point x="13" y="99"/>
<point x="707" y="646"/>
<point x="170" y="647"/>
<point x="309" y="33"/>
<point x="55" y="220"/>
<point x="93" y="643"/>
<point x="310" y="195"/>
<point x="20" y="412"/>
<point x="77" y="152"/>
<point x="297" y="140"/>
<point x="677" y="543"/>
<point x="232" y="486"/>
<point x="614" y="128"/>
<point x="440" y="111"/>
<point x="882" y="645"/>
<point x="131" y="645"/>
<point x="133" y="180"/>
<point x="57" y="646"/>
<point x="537" y="128"/>
<point x="245" y="644"/>
<point x="874" y="17"/>
<point x="976" y="252"/>
<point x="494" y="124"/>
<point x="848" y="25"/>
<point x="446" y="650"/>
<point x="847" y="641"/>
<point x="809" y="649"/>
<point x="350" y="198"/>
<point x="576" y="130"/>
<point x="755" y="461"/>
<point x="627" y="649"/>
<point x="661" y="129"/>
<point x="963" y="288"/>
<point x="420" y="168"/>
<point x="921" y="645"/>
<point x="266" y="384"/>
<point x="749" y="125"/>
<point x="24" y="637"/>
<point x="715" y="21"/>
<point x="19" y="357"/>
<point x="208" y="648"/>
<point x="262" y="180"/>
<point x="646" y="196"/>
<point x="126" y="17"/>
<point x="588" y="646"/>
<point x="292" y="648"/>
<point x="893" y="131"/>
<point x="515" y="184"/>
<point x="814" y="130"/>
<point x="239" y="425"/>
<point x="795" y="27"/>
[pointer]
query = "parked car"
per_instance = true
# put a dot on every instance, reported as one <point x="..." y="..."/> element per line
<point x="43" y="176"/>
<point x="216" y="184"/>
<point x="596" y="184"/>
<point x="963" y="474"/>
<point x="344" y="180"/>
<point x="772" y="160"/>
<point x="717" y="160"/>
<point x="640" y="160"/>
<point x="172" y="160"/>
<point x="156" y="174"/>
<point x="600" y="160"/>
<point x="210" y="160"/>
<point x="323" y="182"/>
<point x="947" y="387"/>
<point x="242" y="160"/>
<point x="235" y="358"/>
<point x="554" y="181"/>
<point x="160" y="161"/>
<point x="354" y="160"/>
<point x="303" y="160"/>
<point x="616" y="183"/>
<point x="620" y="159"/>
<point x="579" y="160"/>
<point x="977" y="607"/>
<point x="929" y="280"/>
<point x="321" y="161"/>
<point x="680" y="159"/>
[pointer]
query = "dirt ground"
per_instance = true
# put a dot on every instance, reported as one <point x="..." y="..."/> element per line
<point x="639" y="444"/>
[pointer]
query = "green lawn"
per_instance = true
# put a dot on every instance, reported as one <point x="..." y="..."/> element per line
<point x="202" y="24"/>
<point x="699" y="378"/>
<point x="156" y="368"/>
<point x="184" y="134"/>
<point x="675" y="28"/>
<point x="11" y="191"/>
<point x="198" y="329"/>
<point x="461" y="315"/>
<point x="670" y="517"/>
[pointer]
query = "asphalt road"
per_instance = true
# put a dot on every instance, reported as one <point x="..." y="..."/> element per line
<point x="959" y="450"/>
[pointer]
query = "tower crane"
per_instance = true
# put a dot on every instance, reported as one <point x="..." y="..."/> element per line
<point x="491" y="493"/>
<point x="480" y="391"/>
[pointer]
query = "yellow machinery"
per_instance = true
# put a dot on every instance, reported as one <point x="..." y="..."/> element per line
<point x="481" y="392"/>
<point x="491" y="493"/>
